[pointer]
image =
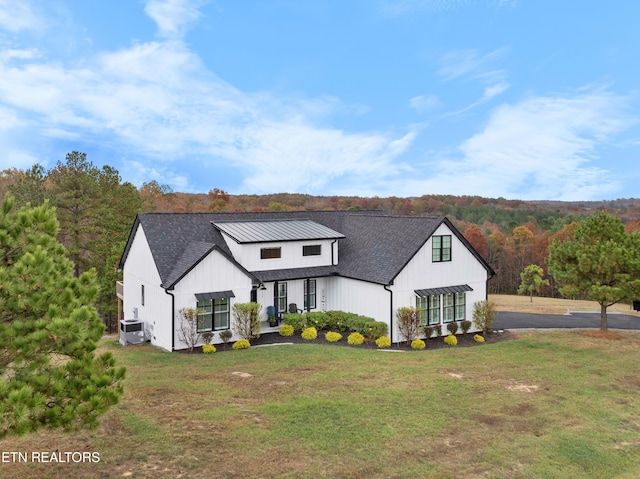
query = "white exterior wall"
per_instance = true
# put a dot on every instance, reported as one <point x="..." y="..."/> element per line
<point x="360" y="297"/>
<point x="422" y="273"/>
<point x="248" y="255"/>
<point x="140" y="269"/>
<point x="214" y="273"/>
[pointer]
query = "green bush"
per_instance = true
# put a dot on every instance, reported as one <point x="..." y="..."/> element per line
<point x="226" y="335"/>
<point x="478" y="339"/>
<point x="355" y="339"/>
<point x="418" y="344"/>
<point x="451" y="340"/>
<point x="428" y="331"/>
<point x="317" y="319"/>
<point x="383" y="342"/>
<point x="286" y="330"/>
<point x="484" y="312"/>
<point x="452" y="327"/>
<point x="338" y="320"/>
<point x="438" y="329"/>
<point x="333" y="337"/>
<point x="241" y="344"/>
<point x="297" y="320"/>
<point x="208" y="348"/>
<point x="309" y="333"/>
<point x="465" y="326"/>
<point x="375" y="329"/>
<point x="247" y="320"/>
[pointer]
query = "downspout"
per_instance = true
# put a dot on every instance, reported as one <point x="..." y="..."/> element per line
<point x="173" y="319"/>
<point x="332" y="258"/>
<point x="386" y="287"/>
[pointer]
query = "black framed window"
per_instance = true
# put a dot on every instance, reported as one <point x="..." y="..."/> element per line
<point x="453" y="307"/>
<point x="213" y="315"/>
<point x="312" y="250"/>
<point x="441" y="249"/>
<point x="270" y="253"/>
<point x="428" y="309"/>
<point x="310" y="293"/>
<point x="282" y="297"/>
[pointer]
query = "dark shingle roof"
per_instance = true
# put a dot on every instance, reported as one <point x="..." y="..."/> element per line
<point x="375" y="247"/>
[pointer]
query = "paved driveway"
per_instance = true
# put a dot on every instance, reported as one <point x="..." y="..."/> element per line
<point x="506" y="320"/>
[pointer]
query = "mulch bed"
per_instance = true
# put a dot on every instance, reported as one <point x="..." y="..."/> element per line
<point x="464" y="340"/>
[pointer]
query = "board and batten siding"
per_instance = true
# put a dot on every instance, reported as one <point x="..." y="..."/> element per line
<point x="212" y="274"/>
<point x="248" y="255"/>
<point x="422" y="273"/>
<point x="360" y="297"/>
<point x="140" y="269"/>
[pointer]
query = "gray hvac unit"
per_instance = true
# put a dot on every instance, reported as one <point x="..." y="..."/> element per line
<point x="131" y="331"/>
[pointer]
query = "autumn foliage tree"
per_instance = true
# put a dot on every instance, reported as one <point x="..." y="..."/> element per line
<point x="50" y="375"/>
<point x="601" y="262"/>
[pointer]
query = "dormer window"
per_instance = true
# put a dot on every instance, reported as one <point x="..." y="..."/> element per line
<point x="270" y="253"/>
<point x="312" y="250"/>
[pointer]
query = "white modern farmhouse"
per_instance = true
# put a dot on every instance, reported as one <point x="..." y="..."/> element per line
<point x="363" y="262"/>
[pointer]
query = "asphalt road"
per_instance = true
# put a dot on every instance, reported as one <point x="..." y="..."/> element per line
<point x="506" y="320"/>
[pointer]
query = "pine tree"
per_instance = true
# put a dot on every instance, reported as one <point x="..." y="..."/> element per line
<point x="49" y="373"/>
<point x="600" y="262"/>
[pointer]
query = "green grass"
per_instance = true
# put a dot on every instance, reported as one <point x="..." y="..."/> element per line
<point x="552" y="405"/>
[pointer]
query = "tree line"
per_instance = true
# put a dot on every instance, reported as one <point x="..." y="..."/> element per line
<point x="95" y="209"/>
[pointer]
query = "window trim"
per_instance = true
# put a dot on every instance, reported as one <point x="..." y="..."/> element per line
<point x="202" y="313"/>
<point x="282" y="298"/>
<point x="439" y="252"/>
<point x="313" y="295"/>
<point x="270" y="252"/>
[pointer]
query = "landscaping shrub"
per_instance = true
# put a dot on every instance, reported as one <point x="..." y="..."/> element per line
<point x="451" y="340"/>
<point x="208" y="348"/>
<point x="418" y="344"/>
<point x="317" y="319"/>
<point x="478" y="339"/>
<point x="375" y="329"/>
<point x="438" y="329"/>
<point x="383" y="342"/>
<point x="484" y="312"/>
<point x="297" y="320"/>
<point x="241" y="344"/>
<point x="208" y="337"/>
<point x="408" y="323"/>
<point x="247" y="323"/>
<point x="428" y="331"/>
<point x="286" y="330"/>
<point x="309" y="333"/>
<point x="355" y="339"/>
<point x="338" y="320"/>
<point x="333" y="337"/>
<point x="465" y="326"/>
<point x="226" y="335"/>
<point x="452" y="327"/>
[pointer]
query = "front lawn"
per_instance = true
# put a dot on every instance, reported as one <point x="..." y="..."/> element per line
<point x="546" y="405"/>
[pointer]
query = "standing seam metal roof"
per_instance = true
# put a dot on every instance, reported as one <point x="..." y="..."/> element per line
<point x="279" y="230"/>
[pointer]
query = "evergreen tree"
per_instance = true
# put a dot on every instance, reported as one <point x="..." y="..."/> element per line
<point x="600" y="262"/>
<point x="531" y="280"/>
<point x="49" y="374"/>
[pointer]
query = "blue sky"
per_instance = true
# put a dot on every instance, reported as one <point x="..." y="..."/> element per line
<point x="526" y="99"/>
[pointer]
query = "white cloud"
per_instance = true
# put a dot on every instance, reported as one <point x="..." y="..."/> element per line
<point x="424" y="103"/>
<point x="173" y="17"/>
<point x="157" y="104"/>
<point x="458" y="63"/>
<point x="18" y="15"/>
<point x="542" y="147"/>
